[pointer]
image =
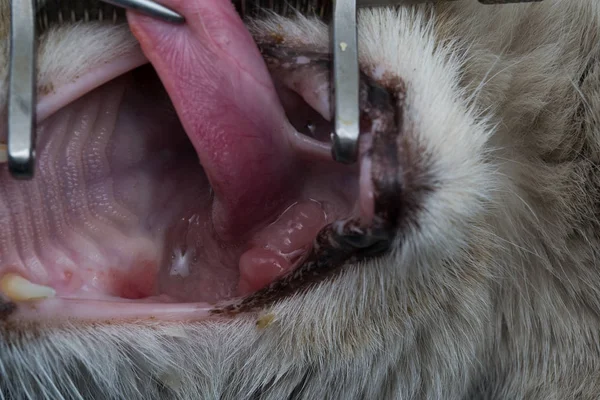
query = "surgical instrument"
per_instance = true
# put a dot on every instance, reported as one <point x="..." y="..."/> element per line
<point x="22" y="90"/>
<point x="150" y="8"/>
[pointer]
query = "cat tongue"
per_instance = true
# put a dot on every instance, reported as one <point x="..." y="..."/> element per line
<point x="226" y="101"/>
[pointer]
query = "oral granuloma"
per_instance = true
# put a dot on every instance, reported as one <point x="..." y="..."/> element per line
<point x="169" y="190"/>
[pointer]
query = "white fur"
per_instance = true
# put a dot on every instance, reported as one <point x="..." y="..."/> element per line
<point x="494" y="294"/>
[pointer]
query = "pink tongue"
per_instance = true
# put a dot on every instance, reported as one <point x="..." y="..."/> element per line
<point x="226" y="101"/>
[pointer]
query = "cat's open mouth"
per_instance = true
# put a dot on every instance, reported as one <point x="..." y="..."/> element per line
<point x="162" y="190"/>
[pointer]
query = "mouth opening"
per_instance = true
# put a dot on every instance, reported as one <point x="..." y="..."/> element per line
<point x="166" y="187"/>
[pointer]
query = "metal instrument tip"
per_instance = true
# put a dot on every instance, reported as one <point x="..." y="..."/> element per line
<point x="345" y="82"/>
<point x="150" y="8"/>
<point x="22" y="91"/>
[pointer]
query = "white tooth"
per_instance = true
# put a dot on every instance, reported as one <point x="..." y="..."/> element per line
<point x="3" y="153"/>
<point x="17" y="288"/>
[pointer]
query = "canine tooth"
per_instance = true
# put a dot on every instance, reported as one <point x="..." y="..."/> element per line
<point x="17" y="288"/>
<point x="3" y="153"/>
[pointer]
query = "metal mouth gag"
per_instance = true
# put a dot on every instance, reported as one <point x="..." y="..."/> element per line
<point x="22" y="90"/>
<point x="20" y="149"/>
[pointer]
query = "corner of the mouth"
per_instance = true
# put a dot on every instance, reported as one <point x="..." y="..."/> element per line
<point x="7" y="308"/>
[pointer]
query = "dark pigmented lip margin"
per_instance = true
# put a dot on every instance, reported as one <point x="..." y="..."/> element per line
<point x="7" y="308"/>
<point x="348" y="241"/>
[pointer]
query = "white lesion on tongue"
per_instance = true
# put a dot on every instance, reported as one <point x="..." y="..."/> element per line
<point x="180" y="265"/>
<point x="184" y="254"/>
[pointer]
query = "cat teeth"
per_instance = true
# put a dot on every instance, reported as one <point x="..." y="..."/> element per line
<point x="3" y="153"/>
<point x="17" y="288"/>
